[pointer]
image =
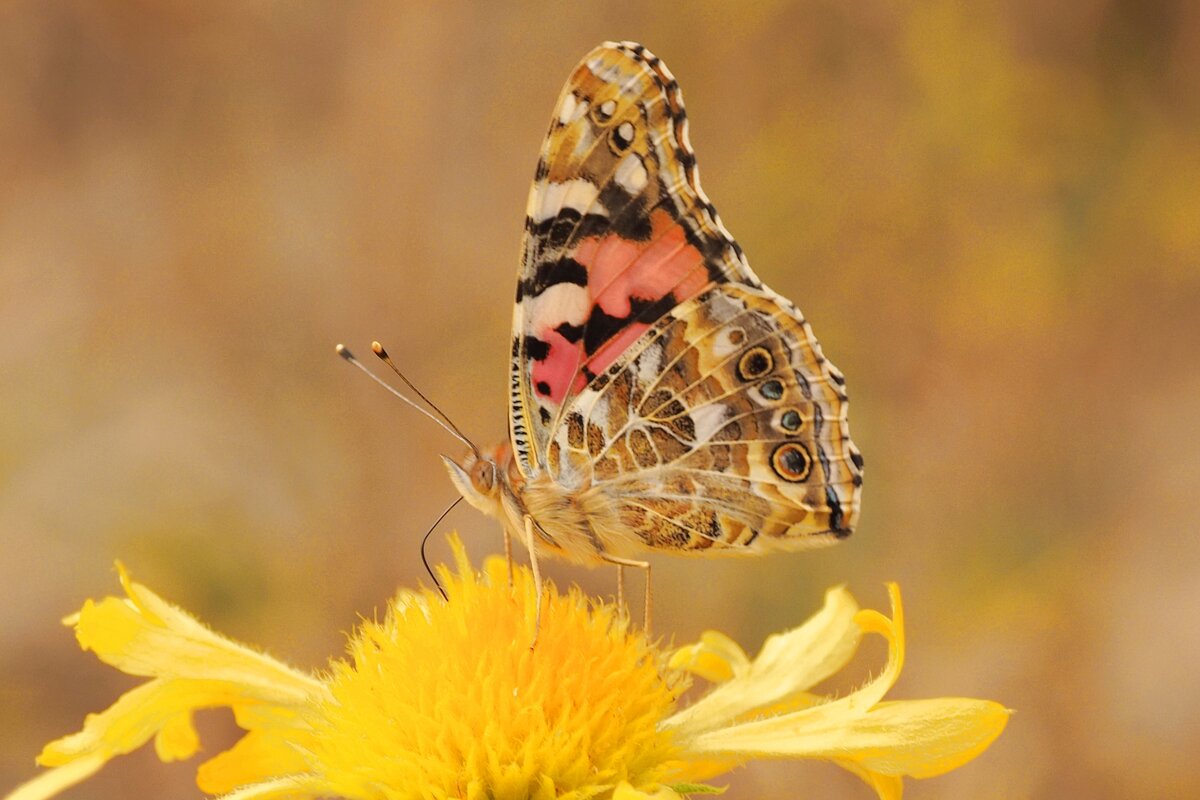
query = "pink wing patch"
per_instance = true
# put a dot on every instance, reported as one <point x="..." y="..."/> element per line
<point x="624" y="277"/>
<point x="620" y="269"/>
<point x="559" y="368"/>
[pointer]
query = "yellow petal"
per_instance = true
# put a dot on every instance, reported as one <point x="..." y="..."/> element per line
<point x="924" y="738"/>
<point x="716" y="658"/>
<point x="121" y="728"/>
<point x="918" y="738"/>
<point x="915" y="738"/>
<point x="626" y="792"/>
<point x="257" y="756"/>
<point x="292" y="787"/>
<point x="56" y="780"/>
<point x="887" y="787"/>
<point x="871" y="621"/>
<point x="789" y="663"/>
<point x="137" y="715"/>
<point x="177" y="738"/>
<point x="145" y="635"/>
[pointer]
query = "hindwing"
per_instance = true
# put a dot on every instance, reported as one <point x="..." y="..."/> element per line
<point x="723" y="427"/>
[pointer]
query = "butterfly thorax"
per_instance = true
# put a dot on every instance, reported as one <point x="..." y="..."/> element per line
<point x="577" y="523"/>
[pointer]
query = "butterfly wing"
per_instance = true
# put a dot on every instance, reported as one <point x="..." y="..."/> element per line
<point x="651" y="367"/>
<point x="617" y="233"/>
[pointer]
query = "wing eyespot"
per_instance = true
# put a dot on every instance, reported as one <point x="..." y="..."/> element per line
<point x="791" y="421"/>
<point x="771" y="390"/>
<point x="755" y="363"/>
<point x="791" y="462"/>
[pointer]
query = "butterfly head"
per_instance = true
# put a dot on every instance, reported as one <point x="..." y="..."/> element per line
<point x="478" y="476"/>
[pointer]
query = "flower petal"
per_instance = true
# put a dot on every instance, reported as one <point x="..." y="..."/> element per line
<point x="147" y="636"/>
<point x="59" y="779"/>
<point x="716" y="658"/>
<point x="177" y="738"/>
<point x="138" y="715"/>
<point x="871" y="621"/>
<point x="257" y="756"/>
<point x="923" y="738"/>
<point x="624" y="791"/>
<point x="919" y="738"/>
<point x="789" y="663"/>
<point x="291" y="787"/>
<point x="887" y="787"/>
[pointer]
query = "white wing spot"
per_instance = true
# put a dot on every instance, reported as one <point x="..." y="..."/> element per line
<point x="583" y="144"/>
<point x="586" y="400"/>
<point x="578" y="194"/>
<point x="608" y="108"/>
<point x="572" y="109"/>
<point x="599" y="411"/>
<point x="631" y="173"/>
<point x="724" y="344"/>
<point x="649" y="365"/>
<point x="562" y="302"/>
<point x="605" y="72"/>
<point x="708" y="420"/>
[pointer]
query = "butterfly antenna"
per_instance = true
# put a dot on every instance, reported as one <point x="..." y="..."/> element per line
<point x="383" y="356"/>
<point x="451" y="429"/>
<point x="425" y="539"/>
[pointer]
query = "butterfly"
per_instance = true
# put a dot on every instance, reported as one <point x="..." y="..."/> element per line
<point x="662" y="398"/>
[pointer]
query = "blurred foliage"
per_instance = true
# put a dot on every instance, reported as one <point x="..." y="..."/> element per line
<point x="989" y="212"/>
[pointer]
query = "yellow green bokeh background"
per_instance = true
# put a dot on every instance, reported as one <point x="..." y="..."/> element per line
<point x="990" y="212"/>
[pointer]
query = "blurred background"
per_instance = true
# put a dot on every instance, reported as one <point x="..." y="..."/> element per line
<point x="991" y="217"/>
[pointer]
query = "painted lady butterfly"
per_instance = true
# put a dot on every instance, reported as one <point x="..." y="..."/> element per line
<point x="662" y="397"/>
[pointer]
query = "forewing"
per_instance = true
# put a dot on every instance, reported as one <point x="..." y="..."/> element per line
<point x="617" y="233"/>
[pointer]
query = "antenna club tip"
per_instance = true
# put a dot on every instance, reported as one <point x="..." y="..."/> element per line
<point x="343" y="351"/>
<point x="378" y="350"/>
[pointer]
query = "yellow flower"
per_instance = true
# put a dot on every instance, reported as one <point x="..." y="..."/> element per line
<point x="447" y="700"/>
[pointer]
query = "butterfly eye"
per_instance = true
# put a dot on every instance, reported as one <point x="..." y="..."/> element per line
<point x="791" y="462"/>
<point x="483" y="476"/>
<point x="755" y="363"/>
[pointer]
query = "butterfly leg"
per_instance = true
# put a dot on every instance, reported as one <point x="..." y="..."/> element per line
<point x="621" y="589"/>
<point x="626" y="562"/>
<point x="537" y="580"/>
<point x="508" y="556"/>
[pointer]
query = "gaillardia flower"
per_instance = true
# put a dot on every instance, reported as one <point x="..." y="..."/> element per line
<point x="446" y="699"/>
